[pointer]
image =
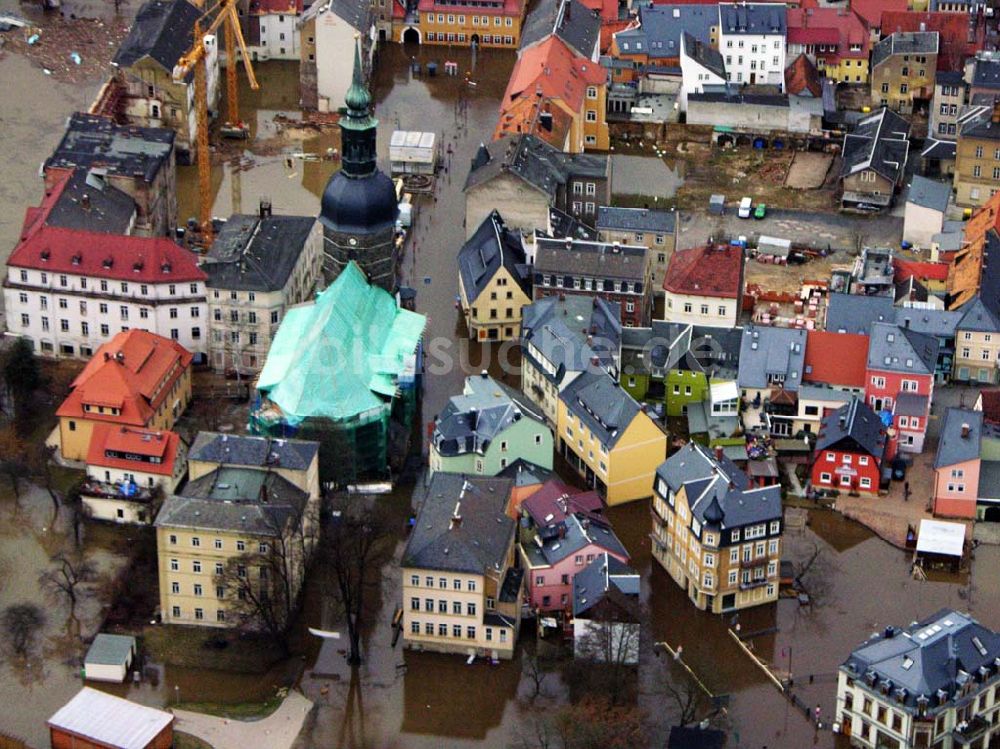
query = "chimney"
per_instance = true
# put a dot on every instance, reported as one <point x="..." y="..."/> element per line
<point x="562" y="530"/>
<point x="718" y="452"/>
<point x="965" y="431"/>
<point x="545" y="120"/>
<point x="85" y="201"/>
<point x="643" y="407"/>
<point x="456" y="516"/>
<point x="264" y="209"/>
<point x="484" y="374"/>
<point x="996" y="111"/>
<point x="567" y="6"/>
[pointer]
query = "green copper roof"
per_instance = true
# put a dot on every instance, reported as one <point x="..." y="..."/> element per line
<point x="358" y="100"/>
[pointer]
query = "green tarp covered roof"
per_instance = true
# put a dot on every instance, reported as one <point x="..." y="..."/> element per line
<point x="334" y="358"/>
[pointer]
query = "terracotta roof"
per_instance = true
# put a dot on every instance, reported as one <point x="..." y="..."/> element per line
<point x="262" y="7"/>
<point x="870" y="11"/>
<point x="966" y="268"/>
<point x="122" y="439"/>
<point x="555" y="501"/>
<point x="715" y="271"/>
<point x="83" y="253"/>
<point x="551" y="71"/>
<point x="829" y="26"/>
<point x="802" y="76"/>
<point x="836" y="358"/>
<point x="959" y="36"/>
<point x="922" y="271"/>
<point x="133" y="372"/>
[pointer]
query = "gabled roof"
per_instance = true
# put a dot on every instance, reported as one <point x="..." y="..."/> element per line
<point x="769" y="355"/>
<point x="598" y="260"/>
<point x="560" y="540"/>
<point x="133" y="372"/>
<point x="162" y="30"/>
<point x="570" y="20"/>
<point x="109" y="443"/>
<point x="960" y="437"/>
<point x="461" y="525"/>
<point x="492" y="247"/>
<point x="605" y="575"/>
<point x="83" y="201"/>
<point x="718" y="492"/>
<point x="110" y="721"/>
<point x="555" y="501"/>
<point x="526" y="473"/>
<point x="570" y="332"/>
<point x="704" y="54"/>
<point x="251" y="253"/>
<point x="837" y="359"/>
<point x="752" y="18"/>
<point x="930" y="660"/>
<point x="905" y="43"/>
<point x="838" y="29"/>
<point x="895" y="349"/>
<point x="977" y="122"/>
<point x="356" y="13"/>
<point x="253" y="451"/>
<point x="658" y="33"/>
<point x="614" y="218"/>
<point x="960" y="35"/>
<point x="855" y="313"/>
<point x="534" y="161"/>
<point x="597" y="401"/>
<point x="851" y="428"/>
<point x="481" y="414"/>
<point x="879" y="142"/>
<point x="986" y="73"/>
<point x="871" y="11"/>
<point x="929" y="193"/>
<point x="802" y="78"/>
<point x="710" y="270"/>
<point x="936" y="322"/>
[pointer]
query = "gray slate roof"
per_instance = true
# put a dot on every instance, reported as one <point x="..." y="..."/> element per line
<point x="259" y="503"/>
<point x="88" y="203"/>
<point x="110" y="650"/>
<point x="661" y="26"/>
<point x="911" y="404"/>
<point x="252" y="451"/>
<point x="476" y="543"/>
<point x="752" y="18"/>
<point x="162" y="30"/>
<point x="596" y="400"/>
<point x="358" y="13"/>
<point x="977" y="122"/>
<point x="556" y="328"/>
<point x="766" y="353"/>
<point x="931" y="659"/>
<point x="938" y="149"/>
<point x="879" y="142"/>
<point x="611" y="218"/>
<point x="905" y="43"/>
<point x="559" y="541"/>
<point x="852" y="427"/>
<point x="600" y="577"/>
<point x="952" y="446"/>
<point x="895" y="349"/>
<point x="125" y="150"/>
<point x="705" y="55"/>
<point x="599" y="260"/>
<point x="989" y="480"/>
<point x="252" y="253"/>
<point x="570" y="20"/>
<point x="936" y="322"/>
<point x="986" y="74"/>
<point x="855" y="313"/>
<point x="982" y="313"/>
<point x="696" y="348"/>
<point x="492" y="247"/>
<point x="719" y="493"/>
<point x="531" y="159"/>
<point x="929" y="193"/>
<point x="525" y="473"/>
<point x="481" y="414"/>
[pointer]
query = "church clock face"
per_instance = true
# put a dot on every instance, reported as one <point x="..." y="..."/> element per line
<point x="352" y="241"/>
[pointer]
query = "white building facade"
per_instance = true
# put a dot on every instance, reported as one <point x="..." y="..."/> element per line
<point x="753" y="42"/>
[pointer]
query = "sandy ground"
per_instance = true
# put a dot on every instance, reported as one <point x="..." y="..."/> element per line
<point x="276" y="731"/>
<point x="808" y="170"/>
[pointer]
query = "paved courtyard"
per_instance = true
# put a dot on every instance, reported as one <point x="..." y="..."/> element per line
<point x="277" y="731"/>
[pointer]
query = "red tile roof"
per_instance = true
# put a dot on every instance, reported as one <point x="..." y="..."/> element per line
<point x="715" y="271"/>
<point x="161" y="445"/>
<point x="261" y="7"/>
<point x="958" y="39"/>
<point x="802" y="76"/>
<point x="836" y="358"/>
<point x="555" y="500"/>
<point x="510" y="8"/>
<point x="829" y="26"/>
<point x="922" y="271"/>
<point x="133" y="373"/>
<point x="82" y="253"/>
<point x="870" y="11"/>
<point x="552" y="70"/>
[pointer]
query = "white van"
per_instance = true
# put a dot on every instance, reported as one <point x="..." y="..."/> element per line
<point x="746" y="206"/>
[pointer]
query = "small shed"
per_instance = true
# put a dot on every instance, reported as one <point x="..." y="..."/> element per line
<point x="413" y="152"/>
<point x="940" y="544"/>
<point x="775" y="246"/>
<point x="97" y="719"/>
<point x="109" y="658"/>
<point x="717" y="204"/>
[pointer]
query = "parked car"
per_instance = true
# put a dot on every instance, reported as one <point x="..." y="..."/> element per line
<point x="746" y="206"/>
<point x="761" y="211"/>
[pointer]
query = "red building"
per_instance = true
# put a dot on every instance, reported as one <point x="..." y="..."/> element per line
<point x="850" y="450"/>
<point x="836" y="359"/>
<point x="900" y="380"/>
<point x="961" y="35"/>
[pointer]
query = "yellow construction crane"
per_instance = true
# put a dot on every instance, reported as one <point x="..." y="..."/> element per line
<point x="194" y="60"/>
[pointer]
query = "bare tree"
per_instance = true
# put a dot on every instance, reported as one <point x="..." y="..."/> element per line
<point x="690" y="700"/>
<point x="21" y="623"/>
<point x="40" y="466"/>
<point x="358" y="542"/>
<point x="607" y="649"/>
<point x="13" y="459"/>
<point x="534" y="671"/>
<point x="263" y="586"/>
<point x="66" y="576"/>
<point x="593" y="723"/>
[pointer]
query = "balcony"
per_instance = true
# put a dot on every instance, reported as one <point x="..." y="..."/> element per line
<point x="754" y="563"/>
<point x="753" y="584"/>
<point x="121" y="490"/>
<point x="968" y="732"/>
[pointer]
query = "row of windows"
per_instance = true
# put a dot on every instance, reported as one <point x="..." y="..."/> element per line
<point x="196" y="567"/>
<point x="105" y="330"/>
<point x="456" y="631"/>
<point x="104" y="284"/>
<point x="442" y="583"/>
<point x="199" y="614"/>
<point x="442" y="606"/>
<point x="218" y="543"/>
<point x="753" y="47"/>
<point x="197" y="589"/>
<point x="102" y="307"/>
<point x="721" y="310"/>
<point x="234" y="316"/>
<point x="476" y="20"/>
<point x="845" y="480"/>
<point x="487" y="38"/>
<point x="590" y="284"/>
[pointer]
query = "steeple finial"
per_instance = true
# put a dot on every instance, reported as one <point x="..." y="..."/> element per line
<point x="358" y="99"/>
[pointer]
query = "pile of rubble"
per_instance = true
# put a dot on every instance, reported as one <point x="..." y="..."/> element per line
<point x="72" y="51"/>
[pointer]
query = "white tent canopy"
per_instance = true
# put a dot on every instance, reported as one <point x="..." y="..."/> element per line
<point x="939" y="537"/>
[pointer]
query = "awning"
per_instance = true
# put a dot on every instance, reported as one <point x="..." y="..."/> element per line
<point x="939" y="537"/>
<point x="723" y="391"/>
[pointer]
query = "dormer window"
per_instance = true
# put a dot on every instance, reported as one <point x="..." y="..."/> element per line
<point x="77" y="259"/>
<point x="165" y="267"/>
<point x="45" y="255"/>
<point x="108" y="262"/>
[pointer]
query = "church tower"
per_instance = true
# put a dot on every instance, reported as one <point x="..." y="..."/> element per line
<point x="359" y="208"/>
